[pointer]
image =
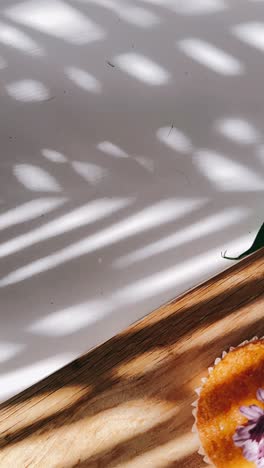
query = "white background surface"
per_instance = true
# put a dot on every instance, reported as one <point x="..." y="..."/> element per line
<point x="106" y="210"/>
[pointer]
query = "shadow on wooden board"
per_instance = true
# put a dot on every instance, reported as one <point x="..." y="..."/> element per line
<point x="127" y="403"/>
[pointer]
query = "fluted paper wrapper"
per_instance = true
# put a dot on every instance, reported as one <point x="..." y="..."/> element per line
<point x="198" y="391"/>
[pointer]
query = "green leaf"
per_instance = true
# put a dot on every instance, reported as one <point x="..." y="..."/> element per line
<point x="257" y="244"/>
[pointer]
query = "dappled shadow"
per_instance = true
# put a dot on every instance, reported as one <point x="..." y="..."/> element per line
<point x="192" y="461"/>
<point x="132" y="156"/>
<point x="107" y="379"/>
<point x="137" y="445"/>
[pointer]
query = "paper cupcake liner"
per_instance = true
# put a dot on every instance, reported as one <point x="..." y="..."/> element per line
<point x="198" y="390"/>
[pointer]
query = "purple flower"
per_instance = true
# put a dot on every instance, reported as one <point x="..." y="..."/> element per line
<point x="250" y="437"/>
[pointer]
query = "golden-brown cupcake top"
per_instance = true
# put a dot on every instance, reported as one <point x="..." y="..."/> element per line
<point x="233" y="383"/>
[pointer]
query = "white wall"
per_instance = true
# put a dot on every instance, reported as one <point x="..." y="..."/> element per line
<point x="106" y="210"/>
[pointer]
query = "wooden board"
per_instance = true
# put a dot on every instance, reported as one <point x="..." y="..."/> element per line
<point x="127" y="403"/>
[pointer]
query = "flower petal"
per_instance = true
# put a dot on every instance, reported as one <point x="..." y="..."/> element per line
<point x="252" y="412"/>
<point x="260" y="462"/>
<point x="260" y="394"/>
<point x="250" y="450"/>
<point x="242" y="435"/>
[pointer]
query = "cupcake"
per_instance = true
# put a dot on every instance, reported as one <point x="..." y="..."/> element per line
<point x="229" y="413"/>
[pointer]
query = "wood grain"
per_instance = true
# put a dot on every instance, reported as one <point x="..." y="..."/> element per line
<point x="127" y="402"/>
